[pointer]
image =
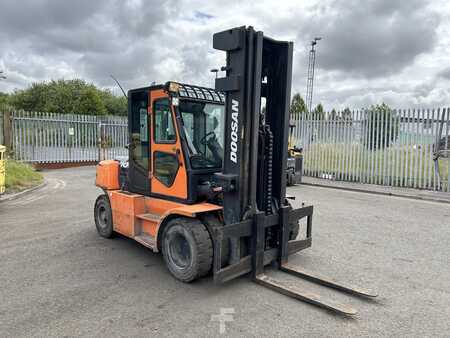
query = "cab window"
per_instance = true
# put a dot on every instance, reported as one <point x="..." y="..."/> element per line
<point x="166" y="167"/>
<point x="164" y="126"/>
<point x="139" y="146"/>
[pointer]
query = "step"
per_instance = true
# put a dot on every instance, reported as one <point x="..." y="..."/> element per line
<point x="149" y="217"/>
<point x="146" y="240"/>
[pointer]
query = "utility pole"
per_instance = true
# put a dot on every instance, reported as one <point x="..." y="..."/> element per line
<point x="310" y="80"/>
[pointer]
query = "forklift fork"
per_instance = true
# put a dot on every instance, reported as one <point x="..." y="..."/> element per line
<point x="287" y="247"/>
<point x="259" y="257"/>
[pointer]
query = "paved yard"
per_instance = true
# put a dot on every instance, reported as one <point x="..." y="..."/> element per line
<point x="59" y="278"/>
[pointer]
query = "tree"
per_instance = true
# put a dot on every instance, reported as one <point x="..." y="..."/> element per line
<point x="298" y="107"/>
<point x="347" y="114"/>
<point x="333" y="116"/>
<point x="380" y="132"/>
<point x="68" y="97"/>
<point x="4" y="99"/>
<point x="115" y="105"/>
<point x="319" y="113"/>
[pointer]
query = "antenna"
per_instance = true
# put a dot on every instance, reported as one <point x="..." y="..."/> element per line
<point x="123" y="91"/>
<point x="310" y="80"/>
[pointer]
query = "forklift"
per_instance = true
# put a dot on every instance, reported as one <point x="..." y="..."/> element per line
<point x="294" y="160"/>
<point x="206" y="183"/>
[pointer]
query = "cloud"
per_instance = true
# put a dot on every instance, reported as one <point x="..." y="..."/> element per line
<point x="371" y="51"/>
<point x="200" y="15"/>
<point x="372" y="38"/>
<point x="445" y="73"/>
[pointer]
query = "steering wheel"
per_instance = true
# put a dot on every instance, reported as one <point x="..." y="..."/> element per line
<point x="203" y="139"/>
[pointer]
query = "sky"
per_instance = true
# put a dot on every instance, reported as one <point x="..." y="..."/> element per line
<point x="372" y="51"/>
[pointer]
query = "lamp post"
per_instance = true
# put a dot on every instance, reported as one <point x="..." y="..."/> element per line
<point x="215" y="70"/>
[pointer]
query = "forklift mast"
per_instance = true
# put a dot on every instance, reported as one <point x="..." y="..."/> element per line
<point x="257" y="67"/>
<point x="253" y="179"/>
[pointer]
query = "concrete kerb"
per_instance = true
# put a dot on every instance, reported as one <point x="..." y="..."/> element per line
<point x="10" y="197"/>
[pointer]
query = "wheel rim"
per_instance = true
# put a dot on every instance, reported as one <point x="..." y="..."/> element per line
<point x="179" y="250"/>
<point x="102" y="217"/>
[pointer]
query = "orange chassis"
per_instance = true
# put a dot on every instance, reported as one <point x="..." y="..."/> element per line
<point x="141" y="217"/>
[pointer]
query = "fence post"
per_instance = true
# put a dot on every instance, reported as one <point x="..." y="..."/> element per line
<point x="7" y="130"/>
<point x="99" y="140"/>
<point x="1" y="127"/>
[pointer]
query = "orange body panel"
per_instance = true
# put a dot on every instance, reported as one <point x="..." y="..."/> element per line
<point x="179" y="187"/>
<point x="125" y="207"/>
<point x="107" y="175"/>
<point x="164" y="207"/>
<point x="150" y="228"/>
<point x="130" y="212"/>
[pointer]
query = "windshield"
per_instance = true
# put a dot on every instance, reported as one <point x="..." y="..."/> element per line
<point x="203" y="125"/>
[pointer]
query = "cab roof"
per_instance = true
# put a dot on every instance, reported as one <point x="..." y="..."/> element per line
<point x="184" y="90"/>
<point x="200" y="93"/>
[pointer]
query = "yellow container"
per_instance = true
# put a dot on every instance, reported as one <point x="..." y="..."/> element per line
<point x="2" y="168"/>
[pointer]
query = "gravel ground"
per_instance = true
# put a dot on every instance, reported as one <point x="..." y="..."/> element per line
<point x="59" y="278"/>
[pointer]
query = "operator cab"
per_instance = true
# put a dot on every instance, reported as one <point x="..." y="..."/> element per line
<point x="176" y="141"/>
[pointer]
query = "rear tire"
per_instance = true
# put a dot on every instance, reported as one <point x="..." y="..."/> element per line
<point x="187" y="249"/>
<point x="103" y="217"/>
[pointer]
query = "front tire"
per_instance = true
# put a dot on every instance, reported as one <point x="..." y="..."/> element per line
<point x="187" y="249"/>
<point x="103" y="217"/>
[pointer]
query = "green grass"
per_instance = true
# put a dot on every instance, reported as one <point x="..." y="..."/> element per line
<point x="403" y="166"/>
<point x="20" y="176"/>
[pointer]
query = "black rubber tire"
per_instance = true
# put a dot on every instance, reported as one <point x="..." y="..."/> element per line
<point x="187" y="249"/>
<point x="211" y="221"/>
<point x="103" y="217"/>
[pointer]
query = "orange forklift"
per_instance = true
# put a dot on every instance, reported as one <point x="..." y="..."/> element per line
<point x="205" y="182"/>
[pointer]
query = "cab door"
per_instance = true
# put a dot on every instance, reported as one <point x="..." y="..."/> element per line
<point x="168" y="170"/>
<point x="138" y="147"/>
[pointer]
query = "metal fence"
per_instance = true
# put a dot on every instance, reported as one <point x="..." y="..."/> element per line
<point x="56" y="138"/>
<point x="393" y="148"/>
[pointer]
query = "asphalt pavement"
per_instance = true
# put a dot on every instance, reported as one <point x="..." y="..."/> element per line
<point x="59" y="278"/>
